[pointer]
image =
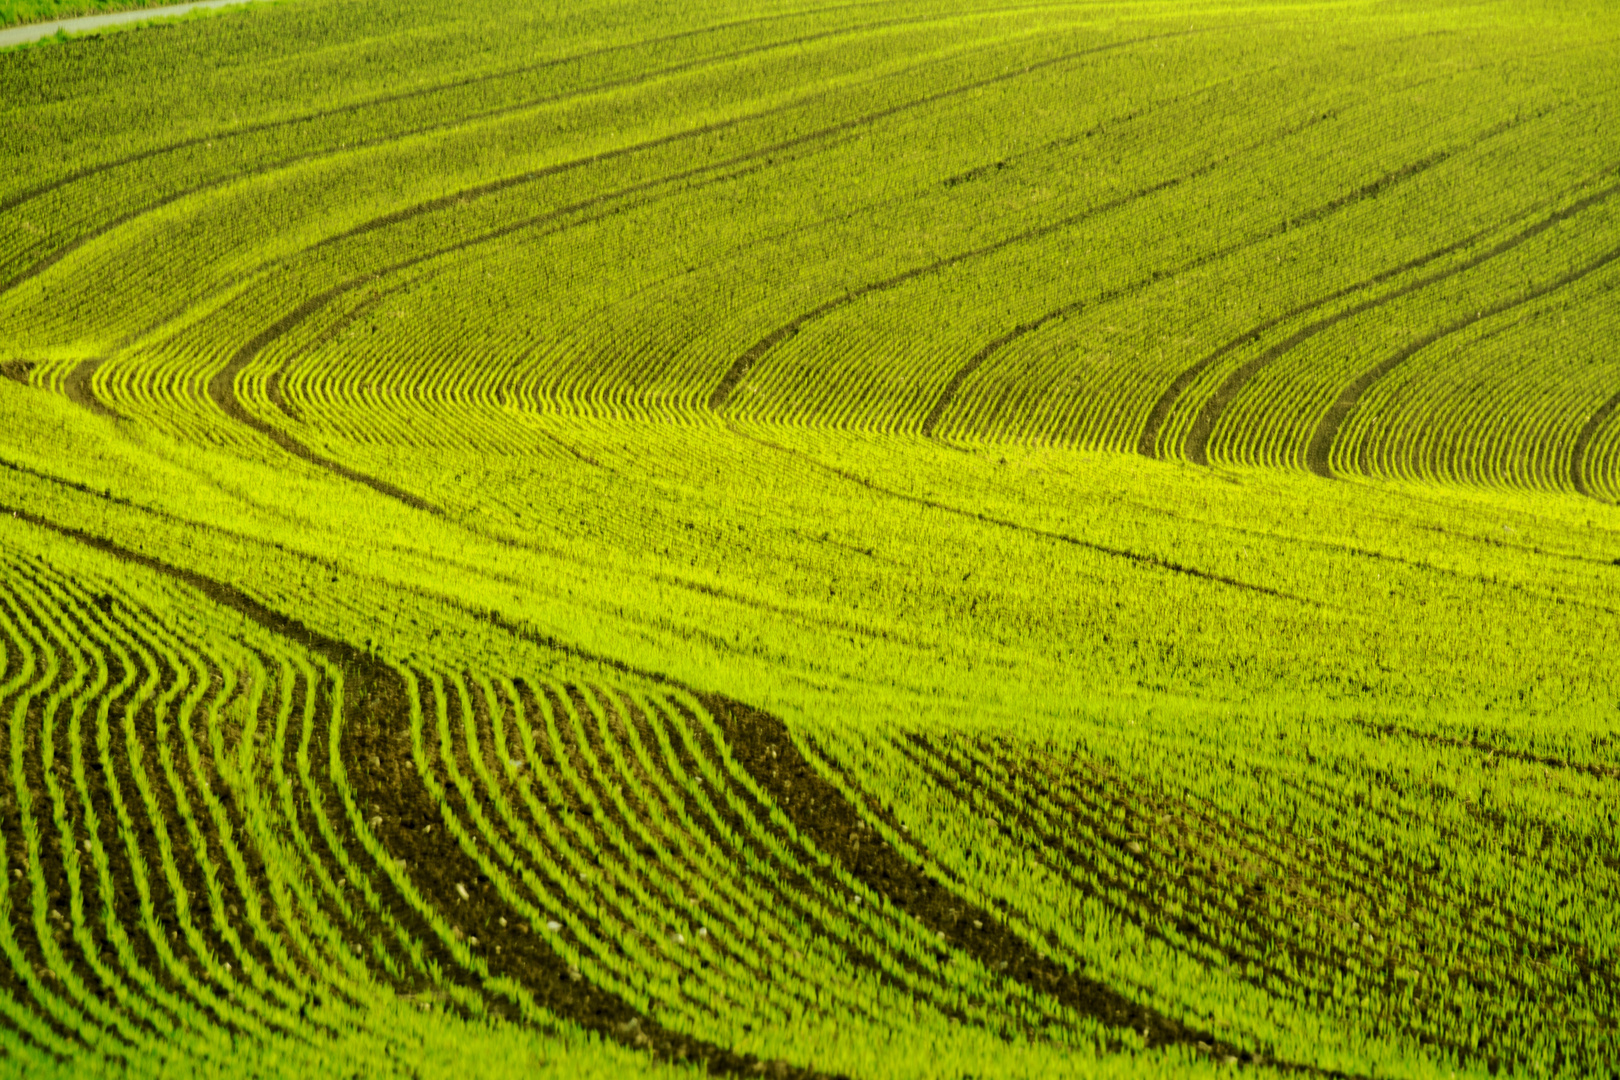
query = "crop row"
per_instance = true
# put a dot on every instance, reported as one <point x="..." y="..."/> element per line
<point x="465" y="761"/>
<point x="220" y="839"/>
<point x="184" y="888"/>
<point x="161" y="897"/>
<point x="897" y="224"/>
<point x="1334" y="891"/>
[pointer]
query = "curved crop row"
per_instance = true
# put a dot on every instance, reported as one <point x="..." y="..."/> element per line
<point x="1063" y="276"/>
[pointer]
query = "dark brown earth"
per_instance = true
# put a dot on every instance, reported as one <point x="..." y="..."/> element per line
<point x="387" y="785"/>
<point x="377" y="730"/>
<point x="762" y="745"/>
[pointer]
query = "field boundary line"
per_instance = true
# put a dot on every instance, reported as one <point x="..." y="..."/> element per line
<point x="28" y="33"/>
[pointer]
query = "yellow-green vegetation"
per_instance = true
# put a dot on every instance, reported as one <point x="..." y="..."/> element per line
<point x="902" y="539"/>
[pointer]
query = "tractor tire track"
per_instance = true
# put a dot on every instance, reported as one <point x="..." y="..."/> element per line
<point x="222" y="391"/>
<point x="1138" y="878"/>
<point x="273" y="381"/>
<point x="101" y="779"/>
<point x="1136" y="557"/>
<point x="1320" y="449"/>
<point x="84" y="239"/>
<point x="80" y="241"/>
<point x="377" y="706"/>
<point x="148" y="1014"/>
<point x="1203" y="426"/>
<point x="1090" y="998"/>
<point x="369" y="679"/>
<point x="222" y="385"/>
<point x="1148" y="443"/>
<point x="658" y="817"/>
<point x="80" y="389"/>
<point x="1578" y="478"/>
<point x="1343" y="877"/>
<point x="479" y="191"/>
<point x="458" y="887"/>
<point x="20" y="198"/>
<point x="1490" y="750"/>
<point x="748" y="734"/>
<point x="745" y="363"/>
<point x="960" y="376"/>
<point x="808" y="619"/>
<point x="1161" y="409"/>
<point x="764" y="747"/>
<point x="955" y="777"/>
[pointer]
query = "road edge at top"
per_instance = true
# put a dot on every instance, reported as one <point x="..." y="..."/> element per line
<point x="28" y="33"/>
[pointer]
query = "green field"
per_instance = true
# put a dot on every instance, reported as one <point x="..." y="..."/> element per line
<point x="956" y="539"/>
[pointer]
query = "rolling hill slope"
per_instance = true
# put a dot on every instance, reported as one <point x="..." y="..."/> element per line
<point x="893" y="539"/>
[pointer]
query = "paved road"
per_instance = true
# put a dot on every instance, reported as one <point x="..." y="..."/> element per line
<point x="17" y="35"/>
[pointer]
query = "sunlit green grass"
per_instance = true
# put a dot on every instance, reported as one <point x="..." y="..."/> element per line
<point x="910" y="540"/>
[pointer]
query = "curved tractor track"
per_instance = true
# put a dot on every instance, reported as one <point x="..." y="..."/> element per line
<point x="411" y="870"/>
<point x="375" y="699"/>
<point x="1233" y="386"/>
<point x="489" y="220"/>
<point x="854" y="362"/>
